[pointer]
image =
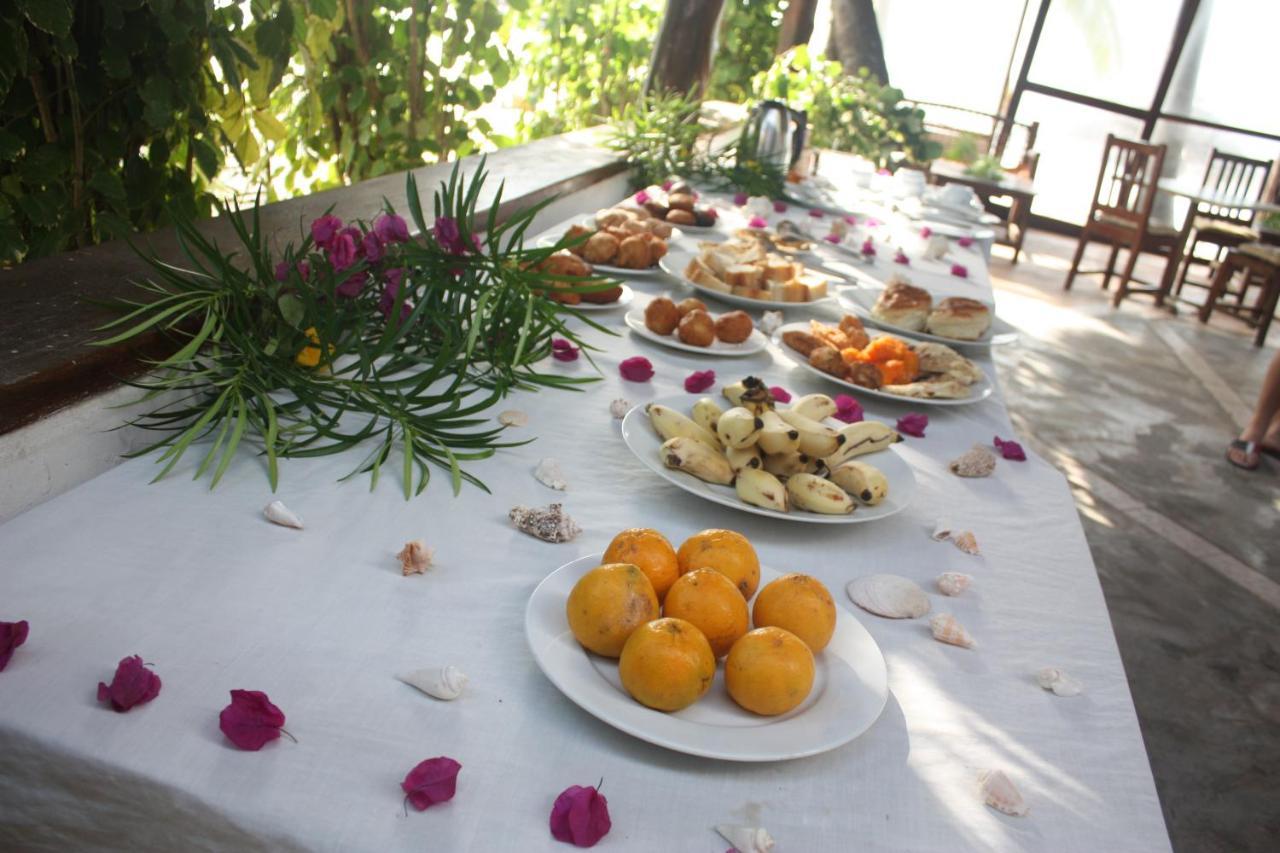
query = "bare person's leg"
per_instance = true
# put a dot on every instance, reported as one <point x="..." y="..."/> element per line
<point x="1264" y="426"/>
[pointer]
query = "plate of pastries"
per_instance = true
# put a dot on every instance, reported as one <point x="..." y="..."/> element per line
<point x="605" y="294"/>
<point x="744" y="272"/>
<point x="884" y="365"/>
<point x="690" y="326"/>
<point x="786" y="238"/>
<point x="619" y="241"/>
<point x="676" y="205"/>
<point x="903" y="307"/>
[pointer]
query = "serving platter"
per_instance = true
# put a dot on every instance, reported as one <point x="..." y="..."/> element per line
<point x="677" y="258"/>
<point x="753" y="344"/>
<point x="850" y="688"/>
<point x="861" y="300"/>
<point x="642" y="440"/>
<point x="549" y="240"/>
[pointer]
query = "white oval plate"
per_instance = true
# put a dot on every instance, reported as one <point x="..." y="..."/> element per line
<point x="625" y="299"/>
<point x="617" y="272"/>
<point x="676" y="259"/>
<point x="753" y="344"/>
<point x="850" y="688"/>
<point x="981" y="390"/>
<point x="861" y="300"/>
<point x="644" y="442"/>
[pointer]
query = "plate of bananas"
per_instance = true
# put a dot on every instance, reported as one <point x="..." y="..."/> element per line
<point x="753" y="454"/>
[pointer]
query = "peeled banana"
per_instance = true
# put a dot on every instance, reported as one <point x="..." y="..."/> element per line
<point x="745" y="457"/>
<point x="777" y="436"/>
<point x="816" y="439"/>
<point x="706" y="414"/>
<point x="670" y="424"/>
<point x="818" y="407"/>
<point x="751" y="393"/>
<point x="760" y="488"/>
<point x="738" y="428"/>
<point x="815" y="494"/>
<point x="786" y="464"/>
<point x="864" y="482"/>
<point x="693" y="457"/>
<point x="862" y="438"/>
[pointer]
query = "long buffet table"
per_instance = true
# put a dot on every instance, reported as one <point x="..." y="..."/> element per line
<point x="321" y="619"/>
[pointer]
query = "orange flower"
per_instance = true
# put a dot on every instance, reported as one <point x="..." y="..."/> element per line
<point x="310" y="356"/>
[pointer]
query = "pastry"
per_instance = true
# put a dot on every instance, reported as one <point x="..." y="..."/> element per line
<point x="743" y="275"/>
<point x="680" y="201"/>
<point x="574" y="232"/>
<point x="828" y="360"/>
<point x="659" y="228"/>
<point x="700" y="274"/>
<point x="633" y="253"/>
<point x="902" y="304"/>
<point x="734" y="327"/>
<point x="612" y="217"/>
<point x="661" y="316"/>
<point x="941" y="359"/>
<point x="564" y="263"/>
<point x="802" y="342"/>
<point x="681" y="217"/>
<point x="853" y="331"/>
<point x="930" y="389"/>
<point x="601" y="248"/>
<point x="689" y="304"/>
<point x="657" y="249"/>
<point x="863" y="375"/>
<point x="960" y="318"/>
<point x="603" y="297"/>
<point x="696" y="328"/>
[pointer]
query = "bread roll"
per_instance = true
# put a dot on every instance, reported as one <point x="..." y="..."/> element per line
<point x="903" y="305"/>
<point x="960" y="318"/>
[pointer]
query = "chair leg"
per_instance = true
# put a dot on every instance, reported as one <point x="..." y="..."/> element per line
<point x="1111" y="266"/>
<point x="1267" y="302"/>
<point x="1166" y="279"/>
<point x="1075" y="261"/>
<point x="1221" y="277"/>
<point x="1122" y="290"/>
<point x="1188" y="252"/>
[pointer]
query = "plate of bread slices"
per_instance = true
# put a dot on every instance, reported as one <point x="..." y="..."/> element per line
<point x="901" y="306"/>
<point x="743" y="272"/>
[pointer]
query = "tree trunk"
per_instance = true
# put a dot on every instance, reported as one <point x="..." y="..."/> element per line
<point x="797" y="24"/>
<point x="684" y="47"/>
<point x="855" y="38"/>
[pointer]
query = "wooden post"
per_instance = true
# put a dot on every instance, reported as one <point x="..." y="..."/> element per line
<point x="686" y="42"/>
<point x="797" y="24"/>
<point x="855" y="38"/>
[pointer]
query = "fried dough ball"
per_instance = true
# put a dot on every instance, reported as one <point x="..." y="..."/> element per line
<point x="853" y="330"/>
<point x="691" y="304"/>
<point x="828" y="360"/>
<point x="656" y="209"/>
<point x="563" y="263"/>
<point x="657" y="248"/>
<point x="632" y="226"/>
<point x="578" y="231"/>
<point x="661" y="316"/>
<point x="613" y="216"/>
<point x="681" y="217"/>
<point x="802" y="342"/>
<point x="601" y="248"/>
<point x="658" y="228"/>
<point x="697" y="329"/>
<point x="680" y="201"/>
<point x="633" y="253"/>
<point x="734" y="327"/>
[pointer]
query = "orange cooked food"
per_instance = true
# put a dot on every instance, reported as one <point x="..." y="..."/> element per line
<point x="893" y="357"/>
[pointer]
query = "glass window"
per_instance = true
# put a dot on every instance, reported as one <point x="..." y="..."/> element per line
<point x="1189" y="150"/>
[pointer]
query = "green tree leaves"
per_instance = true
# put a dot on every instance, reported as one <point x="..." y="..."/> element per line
<point x="51" y="16"/>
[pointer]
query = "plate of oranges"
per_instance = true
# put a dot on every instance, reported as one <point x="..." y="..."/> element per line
<point x="702" y="650"/>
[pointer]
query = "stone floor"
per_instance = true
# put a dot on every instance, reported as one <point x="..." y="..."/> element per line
<point x="1136" y="406"/>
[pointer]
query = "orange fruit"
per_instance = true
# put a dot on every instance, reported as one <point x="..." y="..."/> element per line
<point x="727" y="552"/>
<point x="667" y="664"/>
<point x="650" y="550"/>
<point x="769" y="671"/>
<point x="607" y="604"/>
<point x="800" y="604"/>
<point x="712" y="604"/>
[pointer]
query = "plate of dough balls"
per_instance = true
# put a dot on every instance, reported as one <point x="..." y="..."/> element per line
<point x="688" y="325"/>
<point x="619" y="241"/>
<point x="677" y="205"/>
<point x="571" y="266"/>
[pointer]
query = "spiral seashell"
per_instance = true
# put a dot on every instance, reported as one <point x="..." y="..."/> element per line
<point x="747" y="839"/>
<point x="619" y="408"/>
<point x="946" y="629"/>
<point x="999" y="793"/>
<point x="1052" y="678"/>
<point x="953" y="583"/>
<point x="976" y="462"/>
<point x="277" y="513"/>
<point x="442" y="682"/>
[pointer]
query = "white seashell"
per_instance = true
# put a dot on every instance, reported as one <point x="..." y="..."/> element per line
<point x="999" y="793"/>
<point x="977" y="462"/>
<point x="747" y="839"/>
<point x="415" y="557"/>
<point x="513" y="418"/>
<point x="619" y="408"/>
<point x="937" y="247"/>
<point x="548" y="474"/>
<point x="442" y="682"/>
<point x="962" y="539"/>
<point x="550" y="525"/>
<point x="277" y="513"/>
<point x="759" y="205"/>
<point x="888" y="595"/>
<point x="1052" y="678"/>
<point x="953" y="583"/>
<point x="946" y="629"/>
<point x="769" y="322"/>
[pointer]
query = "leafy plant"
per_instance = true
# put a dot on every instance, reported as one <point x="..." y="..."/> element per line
<point x="745" y="42"/>
<point x="986" y="167"/>
<point x="963" y="149"/>
<point x="358" y="334"/>
<point x="657" y="134"/>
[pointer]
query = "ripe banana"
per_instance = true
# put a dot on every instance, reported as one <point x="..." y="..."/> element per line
<point x="670" y="424"/>
<point x="864" y="482"/>
<point x="816" y="439"/>
<point x="738" y="428"/>
<point x="706" y="414"/>
<point x="760" y="488"/>
<point x="819" y="407"/>
<point x="693" y="457"/>
<point x="777" y="436"/>
<point x="861" y="438"/>
<point x="818" y="495"/>
<point x="746" y="457"/>
<point x="751" y="393"/>
<point x="786" y="464"/>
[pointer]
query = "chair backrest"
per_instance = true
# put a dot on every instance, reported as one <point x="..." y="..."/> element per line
<point x="1235" y="177"/>
<point x="1127" y="181"/>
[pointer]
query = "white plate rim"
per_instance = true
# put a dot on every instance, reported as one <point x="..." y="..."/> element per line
<point x="1007" y="334"/>
<point x="757" y="342"/>
<point x="743" y="301"/>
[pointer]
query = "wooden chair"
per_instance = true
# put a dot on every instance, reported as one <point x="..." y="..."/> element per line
<point x="1121" y="216"/>
<point x="1259" y="263"/>
<point x="1224" y="227"/>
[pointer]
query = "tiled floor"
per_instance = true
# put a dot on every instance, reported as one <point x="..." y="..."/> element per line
<point x="1137" y="405"/>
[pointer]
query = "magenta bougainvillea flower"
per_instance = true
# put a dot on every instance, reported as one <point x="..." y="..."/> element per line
<point x="699" y="380"/>
<point x="251" y="721"/>
<point x="848" y="409"/>
<point x="960" y="270"/>
<point x="740" y="199"/>
<point x="780" y="394"/>
<point x="850" y="219"/>
<point x="431" y="782"/>
<point x="758" y="222"/>
<point x="815" y="213"/>
<point x="833" y="237"/>
<point x="868" y="248"/>
<point x="636" y="369"/>
<point x="391" y="293"/>
<point x="913" y="424"/>
<point x="282" y="270"/>
<point x="901" y="258"/>
<point x="12" y="635"/>
<point x="872" y="222"/>
<point x="580" y="816"/>
<point x="342" y="251"/>
<point x="372" y="248"/>
<point x="641" y="197"/>
<point x="1010" y="450"/>
<point x="965" y="242"/>
<point x="667" y="185"/>
<point x="926" y="232"/>
<point x="448" y="236"/>
<point x="562" y="350"/>
<point x="391" y="228"/>
<point x="779" y="207"/>
<point x="324" y="229"/>
<point x="352" y="285"/>
<point x="132" y="685"/>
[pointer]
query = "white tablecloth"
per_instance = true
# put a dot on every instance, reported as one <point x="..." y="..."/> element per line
<point x="216" y="598"/>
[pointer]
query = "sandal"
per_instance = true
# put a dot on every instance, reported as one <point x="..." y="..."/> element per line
<point x="1249" y="449"/>
<point x="1269" y="450"/>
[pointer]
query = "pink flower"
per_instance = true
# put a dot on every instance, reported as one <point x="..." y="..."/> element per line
<point x="758" y="222"/>
<point x="641" y="197"/>
<point x="391" y="295"/>
<point x="251" y="721"/>
<point x="1010" y="450"/>
<point x="324" y="229"/>
<point x="901" y="258"/>
<point x="282" y="271"/>
<point x="965" y="242"/>
<point x="562" y="350"/>
<point x="959" y="270"/>
<point x="913" y="424"/>
<point x="815" y="213"/>
<point x="580" y="816"/>
<point x="391" y="228"/>
<point x="850" y="219"/>
<point x="352" y="285"/>
<point x="848" y="409"/>
<point x="872" y="222"/>
<point x="371" y="247"/>
<point x="833" y="237"/>
<point x="883" y="172"/>
<point x="667" y="185"/>
<point x="699" y="380"/>
<point x="636" y="369"/>
<point x="12" y="635"/>
<point x="342" y="251"/>
<point x="926" y="232"/>
<point x="868" y="248"/>
<point x="779" y="207"/>
<point x="304" y="269"/>
<point x="431" y="782"/>
<point x="448" y="236"/>
<point x="780" y="394"/>
<point x="132" y="685"/>
<point x="739" y="199"/>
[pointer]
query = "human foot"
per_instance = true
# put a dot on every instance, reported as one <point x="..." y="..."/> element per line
<point x="1244" y="454"/>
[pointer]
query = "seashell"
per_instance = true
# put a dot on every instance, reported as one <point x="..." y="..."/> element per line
<point x="937" y="247"/>
<point x="953" y="583"/>
<point x="1052" y="678"/>
<point x="946" y="629"/>
<point x="442" y="682"/>
<point x="769" y="322"/>
<point x="747" y="839"/>
<point x="962" y="539"/>
<point x="415" y="557"/>
<point x="619" y="408"/>
<point x="999" y="793"/>
<point x="888" y="595"/>
<point x="548" y="474"/>
<point x="978" y="462"/>
<point x="277" y="513"/>
<point x="513" y="418"/>
<point x="550" y="525"/>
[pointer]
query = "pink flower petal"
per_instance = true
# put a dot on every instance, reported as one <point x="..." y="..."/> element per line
<point x="901" y="258"/>
<point x="960" y="270"/>
<point x="667" y="185"/>
<point x="1010" y="450"/>
<point x="872" y="222"/>
<point x="758" y="222"/>
<point x="913" y="424"/>
<point x="580" y="816"/>
<point x="832" y="238"/>
<point x="740" y="199"/>
<point x="868" y="248"/>
<point x="699" y="380"/>
<point x="641" y="197"/>
<point x="848" y="409"/>
<point x="132" y="685"/>
<point x="636" y="369"/>
<point x="851" y="219"/>
<point x="816" y="214"/>
<point x="965" y="242"/>
<point x="780" y="394"/>
<point x="883" y="172"/>
<point x="926" y="231"/>
<point x="431" y="782"/>
<point x="562" y="350"/>
<point x="12" y="635"/>
<point x="251" y="721"/>
<point x="779" y="207"/>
